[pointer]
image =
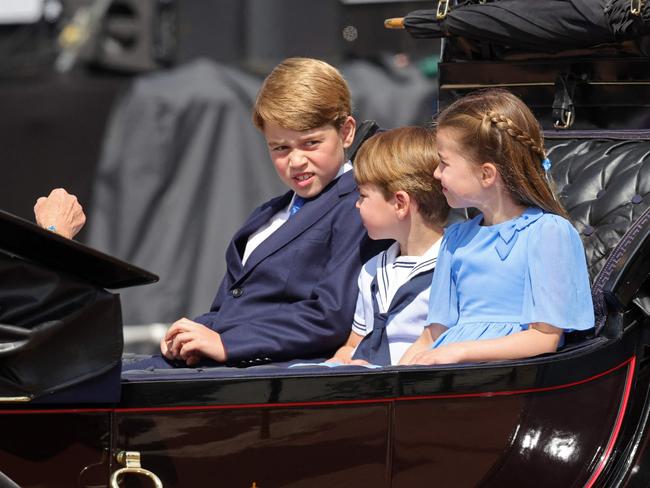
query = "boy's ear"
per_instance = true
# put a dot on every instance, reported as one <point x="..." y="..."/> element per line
<point x="348" y="130"/>
<point x="489" y="174"/>
<point x="402" y="203"/>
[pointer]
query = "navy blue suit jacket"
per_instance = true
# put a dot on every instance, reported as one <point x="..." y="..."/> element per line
<point x="296" y="295"/>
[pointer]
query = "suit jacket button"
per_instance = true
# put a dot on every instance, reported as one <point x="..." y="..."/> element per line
<point x="236" y="292"/>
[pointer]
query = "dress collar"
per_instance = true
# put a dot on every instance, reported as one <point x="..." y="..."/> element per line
<point x="509" y="230"/>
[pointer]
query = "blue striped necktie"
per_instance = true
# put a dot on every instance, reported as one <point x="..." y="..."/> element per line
<point x="297" y="204"/>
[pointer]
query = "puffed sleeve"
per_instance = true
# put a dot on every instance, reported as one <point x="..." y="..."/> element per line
<point x="443" y="299"/>
<point x="557" y="289"/>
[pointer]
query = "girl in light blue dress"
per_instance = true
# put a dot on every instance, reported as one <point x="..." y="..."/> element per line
<point x="512" y="280"/>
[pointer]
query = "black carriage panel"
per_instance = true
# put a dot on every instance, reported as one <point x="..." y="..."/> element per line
<point x="534" y="422"/>
<point x="54" y="448"/>
<point x="260" y="426"/>
<point x="264" y="445"/>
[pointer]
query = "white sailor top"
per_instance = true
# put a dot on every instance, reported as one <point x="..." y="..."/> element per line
<point x="392" y="273"/>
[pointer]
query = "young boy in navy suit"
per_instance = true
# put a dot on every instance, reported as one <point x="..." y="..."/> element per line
<point x="401" y="200"/>
<point x="290" y="268"/>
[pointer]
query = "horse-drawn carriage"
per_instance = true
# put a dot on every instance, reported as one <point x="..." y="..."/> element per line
<point x="578" y="417"/>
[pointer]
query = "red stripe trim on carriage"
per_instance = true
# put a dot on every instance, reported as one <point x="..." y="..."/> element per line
<point x="488" y="394"/>
<point x="629" y="361"/>
<point x="617" y="427"/>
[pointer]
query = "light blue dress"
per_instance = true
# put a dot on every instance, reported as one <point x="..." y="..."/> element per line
<point x="492" y="281"/>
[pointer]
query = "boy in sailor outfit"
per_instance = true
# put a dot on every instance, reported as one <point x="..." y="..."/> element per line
<point x="400" y="200"/>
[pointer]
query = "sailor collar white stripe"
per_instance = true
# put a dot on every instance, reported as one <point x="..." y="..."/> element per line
<point x="427" y="261"/>
<point x="383" y="280"/>
<point x="424" y="263"/>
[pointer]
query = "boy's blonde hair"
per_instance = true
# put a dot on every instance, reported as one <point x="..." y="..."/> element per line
<point x="404" y="159"/>
<point x="302" y="94"/>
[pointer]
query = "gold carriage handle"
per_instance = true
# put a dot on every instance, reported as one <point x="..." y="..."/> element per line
<point x="131" y="461"/>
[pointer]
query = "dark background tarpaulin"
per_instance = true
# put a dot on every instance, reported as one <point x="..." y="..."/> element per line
<point x="182" y="166"/>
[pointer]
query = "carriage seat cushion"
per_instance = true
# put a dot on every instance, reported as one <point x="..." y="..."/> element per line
<point x="605" y="186"/>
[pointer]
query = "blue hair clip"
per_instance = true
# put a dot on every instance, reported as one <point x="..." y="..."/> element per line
<point x="546" y="164"/>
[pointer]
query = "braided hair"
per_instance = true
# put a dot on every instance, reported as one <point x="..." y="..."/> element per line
<point x="494" y="125"/>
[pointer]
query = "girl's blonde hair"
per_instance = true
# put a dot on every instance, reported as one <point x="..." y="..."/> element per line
<point x="302" y="94"/>
<point x="404" y="159"/>
<point x="496" y="126"/>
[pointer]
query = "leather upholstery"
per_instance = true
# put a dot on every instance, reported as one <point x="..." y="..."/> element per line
<point x="605" y="186"/>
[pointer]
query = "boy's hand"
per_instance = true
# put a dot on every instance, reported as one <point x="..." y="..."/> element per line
<point x="343" y="360"/>
<point x="346" y="358"/>
<point x="344" y="353"/>
<point x="342" y="356"/>
<point x="189" y="341"/>
<point x="359" y="362"/>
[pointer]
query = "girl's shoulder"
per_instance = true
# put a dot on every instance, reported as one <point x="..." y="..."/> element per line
<point x="551" y="235"/>
<point x="551" y="224"/>
<point x="460" y="229"/>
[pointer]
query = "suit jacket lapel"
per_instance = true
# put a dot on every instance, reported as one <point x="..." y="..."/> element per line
<point x="310" y="213"/>
<point x="235" y="250"/>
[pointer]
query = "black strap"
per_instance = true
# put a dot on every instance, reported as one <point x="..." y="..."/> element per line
<point x="564" y="111"/>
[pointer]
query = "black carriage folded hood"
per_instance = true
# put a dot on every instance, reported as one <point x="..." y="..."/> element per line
<point x="26" y="240"/>
<point x="60" y="330"/>
<point x="549" y="26"/>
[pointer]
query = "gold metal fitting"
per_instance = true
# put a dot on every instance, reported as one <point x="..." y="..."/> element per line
<point x="443" y="8"/>
<point x="394" y="23"/>
<point x="131" y="462"/>
<point x="566" y="120"/>
<point x="636" y="6"/>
